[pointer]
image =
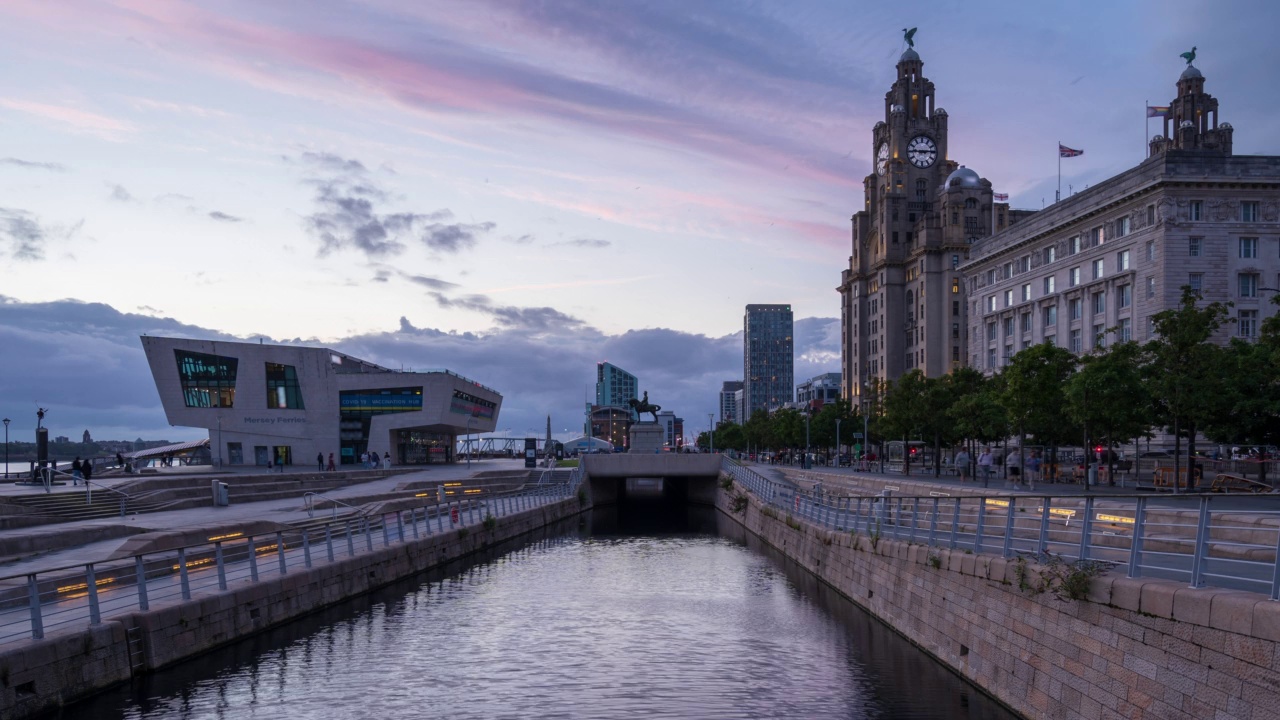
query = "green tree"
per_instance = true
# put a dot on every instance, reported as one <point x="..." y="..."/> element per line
<point x="730" y="436"/>
<point x="1108" y="397"/>
<point x="823" y="424"/>
<point x="758" y="430"/>
<point x="910" y="410"/>
<point x="1034" y="382"/>
<point x="1184" y="369"/>
<point x="1249" y="413"/>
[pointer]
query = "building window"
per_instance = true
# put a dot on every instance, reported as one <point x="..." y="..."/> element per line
<point x="1050" y="316"/>
<point x="955" y="308"/>
<point x="1008" y="327"/>
<point x="991" y="276"/>
<point x="1124" y="330"/>
<point x="1248" y="247"/>
<point x="1008" y="354"/>
<point x="1122" y="261"/>
<point x="1050" y="254"/>
<point x="955" y="353"/>
<point x="1247" y="323"/>
<point x="1151" y="251"/>
<point x="1050" y="285"/>
<point x="1099" y="303"/>
<point x="1097" y="268"/>
<point x="1196" y="281"/>
<point x="1026" y="292"/>
<point x="1248" y="285"/>
<point x="970" y="203"/>
<point x="1151" y="286"/>
<point x="1099" y="336"/>
<point x="991" y="331"/>
<point x="1073" y="245"/>
<point x="1097" y="236"/>
<point x="955" y="286"/>
<point x="1024" y="263"/>
<point x="1124" y="296"/>
<point x="1026" y="322"/>
<point x="1195" y="246"/>
<point x="1195" y="210"/>
<point x="1122" y="226"/>
<point x="922" y="186"/>
<point x="283" y="391"/>
<point x="207" y="381"/>
<point x="1074" y="308"/>
<point x="1075" y="341"/>
<point x="1008" y="298"/>
<point x="991" y="358"/>
<point x="955" y="261"/>
<point x="1073" y="277"/>
<point x="1249" y="211"/>
<point x="955" y="331"/>
<point x="991" y="303"/>
<point x="1008" y="270"/>
<point x="1051" y="340"/>
<point x="1151" y="215"/>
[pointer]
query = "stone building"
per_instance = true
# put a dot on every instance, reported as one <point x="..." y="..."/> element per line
<point x="902" y="297"/>
<point x="1094" y="268"/>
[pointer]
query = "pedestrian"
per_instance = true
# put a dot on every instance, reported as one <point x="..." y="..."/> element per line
<point x="961" y="462"/>
<point x="386" y="460"/>
<point x="320" y="462"/>
<point x="1012" y="469"/>
<point x="86" y="469"/>
<point x="76" y="474"/>
<point x="984" y="465"/>
<point x="119" y="460"/>
<point x="364" y="460"/>
<point x="1033" y="467"/>
<point x="331" y="466"/>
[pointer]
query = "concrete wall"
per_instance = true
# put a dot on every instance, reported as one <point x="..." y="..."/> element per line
<point x="1134" y="649"/>
<point x="40" y="674"/>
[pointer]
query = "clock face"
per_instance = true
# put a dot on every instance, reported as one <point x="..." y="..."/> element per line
<point x="922" y="151"/>
<point x="882" y="158"/>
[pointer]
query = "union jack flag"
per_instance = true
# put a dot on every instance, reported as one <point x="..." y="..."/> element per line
<point x="1064" y="151"/>
<point x="1000" y="196"/>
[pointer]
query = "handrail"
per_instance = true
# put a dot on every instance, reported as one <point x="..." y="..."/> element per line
<point x="309" y="503"/>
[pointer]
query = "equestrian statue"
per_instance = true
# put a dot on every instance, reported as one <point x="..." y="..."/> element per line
<point x="644" y="406"/>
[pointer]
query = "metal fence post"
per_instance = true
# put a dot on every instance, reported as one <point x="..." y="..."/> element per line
<point x="306" y="547"/>
<point x="439" y="519"/>
<point x="1043" y="543"/>
<point x="328" y="540"/>
<point x="140" y="576"/>
<point x="253" y="561"/>
<point x="182" y="574"/>
<point x="982" y="520"/>
<point x="1202" y="543"/>
<point x="280" y="551"/>
<point x="933" y="524"/>
<point x="222" y="568"/>
<point x="91" y="582"/>
<point x="1008" y="527"/>
<point x="955" y="524"/>
<point x="413" y="517"/>
<point x="1135" y="545"/>
<point x="368" y="535"/>
<point x="915" y="517"/>
<point x="386" y="531"/>
<point x="1086" y="529"/>
<point x="33" y="599"/>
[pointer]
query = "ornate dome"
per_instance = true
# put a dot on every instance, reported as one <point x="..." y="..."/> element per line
<point x="1157" y="138"/>
<point x="897" y="109"/>
<point x="1186" y="124"/>
<point x="878" y="125"/>
<point x="940" y="112"/>
<point x="963" y="177"/>
<point x="911" y="55"/>
<point x="1225" y="126"/>
<point x="1191" y="73"/>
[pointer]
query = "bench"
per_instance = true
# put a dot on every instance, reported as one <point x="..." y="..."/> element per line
<point x="1163" y="477"/>
<point x="1228" y="482"/>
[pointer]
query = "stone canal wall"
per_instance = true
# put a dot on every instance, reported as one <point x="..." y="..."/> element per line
<point x="40" y="674"/>
<point x="1135" y="648"/>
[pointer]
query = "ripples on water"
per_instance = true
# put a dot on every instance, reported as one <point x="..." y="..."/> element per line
<point x="604" y="622"/>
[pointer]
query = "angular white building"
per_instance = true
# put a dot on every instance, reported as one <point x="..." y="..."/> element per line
<point x="287" y="403"/>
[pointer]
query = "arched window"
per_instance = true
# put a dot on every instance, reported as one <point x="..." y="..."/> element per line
<point x="922" y="186"/>
<point x="970" y="204"/>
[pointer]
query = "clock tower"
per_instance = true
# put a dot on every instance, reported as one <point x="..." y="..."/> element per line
<point x="902" y="301"/>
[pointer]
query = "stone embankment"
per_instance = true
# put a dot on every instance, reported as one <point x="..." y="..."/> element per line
<point x="1133" y="648"/>
<point x="37" y="675"/>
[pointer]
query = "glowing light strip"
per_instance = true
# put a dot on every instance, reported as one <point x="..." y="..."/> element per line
<point x="228" y="536"/>
<point x="85" y="585"/>
<point x="1052" y="511"/>
<point x="1101" y="517"/>
<point x="194" y="563"/>
<point x="472" y="491"/>
<point x="453" y="484"/>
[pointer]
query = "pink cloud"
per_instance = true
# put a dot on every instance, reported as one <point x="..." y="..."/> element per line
<point x="107" y="128"/>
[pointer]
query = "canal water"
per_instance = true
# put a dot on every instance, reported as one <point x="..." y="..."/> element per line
<point x="605" y="617"/>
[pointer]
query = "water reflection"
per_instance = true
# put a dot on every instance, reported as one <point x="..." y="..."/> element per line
<point x="644" y="612"/>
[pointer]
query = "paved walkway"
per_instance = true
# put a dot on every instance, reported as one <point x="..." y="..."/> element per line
<point x="282" y="511"/>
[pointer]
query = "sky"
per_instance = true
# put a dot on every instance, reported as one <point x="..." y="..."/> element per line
<point x="518" y="190"/>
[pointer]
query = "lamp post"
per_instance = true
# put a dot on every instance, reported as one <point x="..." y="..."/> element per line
<point x="6" y="448"/>
<point x="866" y="439"/>
<point x="837" y="443"/>
<point x="469" y="451"/>
<point x="807" y="412"/>
<point x="711" y="431"/>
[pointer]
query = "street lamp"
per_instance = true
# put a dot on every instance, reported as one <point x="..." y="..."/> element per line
<point x="807" y="412"/>
<point x="837" y="442"/>
<point x="6" y="448"/>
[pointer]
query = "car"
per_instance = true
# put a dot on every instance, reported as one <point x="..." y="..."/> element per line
<point x="1156" y="454"/>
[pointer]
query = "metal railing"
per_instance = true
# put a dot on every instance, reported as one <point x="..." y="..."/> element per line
<point x="308" y="502"/>
<point x="1203" y="540"/>
<point x="32" y="604"/>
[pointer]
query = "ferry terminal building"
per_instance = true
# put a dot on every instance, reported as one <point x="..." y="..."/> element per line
<point x="287" y="404"/>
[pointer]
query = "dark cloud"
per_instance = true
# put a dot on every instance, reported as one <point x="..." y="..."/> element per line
<point x="348" y="219"/>
<point x="429" y="282"/>
<point x="55" y="167"/>
<point x="522" y="240"/>
<point x="584" y="243"/>
<point x="223" y="217"/>
<point x="119" y="194"/>
<point x="381" y="276"/>
<point x="84" y="361"/>
<point x="174" y="197"/>
<point x="26" y="238"/>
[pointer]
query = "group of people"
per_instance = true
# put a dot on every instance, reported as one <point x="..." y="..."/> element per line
<point x="81" y="470"/>
<point x="987" y="463"/>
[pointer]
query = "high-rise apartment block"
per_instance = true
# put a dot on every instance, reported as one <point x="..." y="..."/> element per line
<point x="729" y="401"/>
<point x="614" y="386"/>
<point x="768" y="358"/>
<point x="818" y="390"/>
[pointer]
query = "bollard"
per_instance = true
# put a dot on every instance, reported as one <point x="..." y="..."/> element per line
<point x="280" y="551"/>
<point x="141" y="578"/>
<point x="33" y="599"/>
<point x="222" y="568"/>
<point x="351" y="541"/>
<point x="182" y="574"/>
<point x="306" y="547"/>
<point x="91" y="582"/>
<point x="253" y="561"/>
<point x="328" y="541"/>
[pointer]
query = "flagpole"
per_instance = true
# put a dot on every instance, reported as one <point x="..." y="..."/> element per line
<point x="1146" y="113"/>
<point x="1058" y="197"/>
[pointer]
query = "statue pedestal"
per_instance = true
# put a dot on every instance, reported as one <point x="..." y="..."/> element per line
<point x="647" y="438"/>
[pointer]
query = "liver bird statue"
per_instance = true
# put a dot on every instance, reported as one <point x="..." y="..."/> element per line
<point x="909" y="36"/>
<point x="1189" y="56"/>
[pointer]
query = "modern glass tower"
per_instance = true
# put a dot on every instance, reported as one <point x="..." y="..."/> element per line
<point x="768" y="360"/>
<point x="614" y="386"/>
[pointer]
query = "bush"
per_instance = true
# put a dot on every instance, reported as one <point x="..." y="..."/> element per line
<point x="739" y="503"/>
<point x="582" y="497"/>
<point x="463" y="533"/>
<point x="490" y="522"/>
<point x="726" y="482"/>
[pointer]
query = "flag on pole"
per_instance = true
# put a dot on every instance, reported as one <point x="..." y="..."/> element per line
<point x="1000" y="196"/>
<point x="1064" y="151"/>
<point x="1157" y="111"/>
